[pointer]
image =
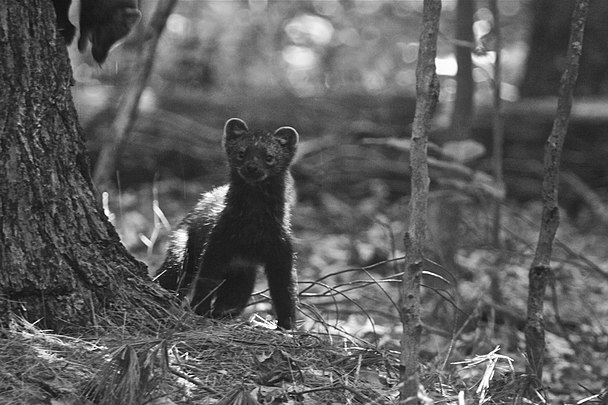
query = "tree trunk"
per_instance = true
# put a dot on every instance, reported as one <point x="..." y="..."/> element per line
<point x="128" y="109"/>
<point x="462" y="115"/>
<point x="540" y="270"/>
<point x="427" y="95"/>
<point x="61" y="261"/>
<point x="460" y="129"/>
<point x="498" y="130"/>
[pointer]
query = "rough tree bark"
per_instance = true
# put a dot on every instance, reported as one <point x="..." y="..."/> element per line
<point x="427" y="95"/>
<point x="61" y="261"/>
<point x="129" y="105"/>
<point x="540" y="270"/>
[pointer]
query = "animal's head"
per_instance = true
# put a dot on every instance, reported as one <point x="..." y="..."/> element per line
<point x="257" y="155"/>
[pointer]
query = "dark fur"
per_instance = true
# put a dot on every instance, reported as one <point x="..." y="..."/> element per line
<point x="103" y="22"/>
<point x="238" y="228"/>
<point x="62" y="8"/>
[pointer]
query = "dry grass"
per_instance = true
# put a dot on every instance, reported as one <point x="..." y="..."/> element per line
<point x="202" y="363"/>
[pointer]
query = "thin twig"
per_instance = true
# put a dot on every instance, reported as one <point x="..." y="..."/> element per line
<point x="427" y="96"/>
<point x="191" y="380"/>
<point x="497" y="122"/>
<point x="540" y="269"/>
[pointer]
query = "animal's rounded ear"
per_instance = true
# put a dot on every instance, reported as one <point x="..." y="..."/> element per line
<point x="234" y="128"/>
<point x="287" y="137"/>
<point x="74" y="13"/>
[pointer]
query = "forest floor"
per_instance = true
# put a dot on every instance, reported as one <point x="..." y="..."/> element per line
<point x="346" y="347"/>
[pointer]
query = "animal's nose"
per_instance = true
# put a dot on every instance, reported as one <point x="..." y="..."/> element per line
<point x="251" y="167"/>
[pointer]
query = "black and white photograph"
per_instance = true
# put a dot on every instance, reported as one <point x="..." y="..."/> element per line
<point x="229" y="202"/>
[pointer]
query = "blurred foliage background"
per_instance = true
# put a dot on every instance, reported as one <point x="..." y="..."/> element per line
<point x="307" y="48"/>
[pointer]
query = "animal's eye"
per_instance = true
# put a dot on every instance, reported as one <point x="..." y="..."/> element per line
<point x="240" y="155"/>
<point x="270" y="160"/>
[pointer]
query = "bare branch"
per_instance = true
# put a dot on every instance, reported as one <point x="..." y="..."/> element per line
<point x="128" y="108"/>
<point x="540" y="270"/>
<point x="427" y="95"/>
<point x="497" y="120"/>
